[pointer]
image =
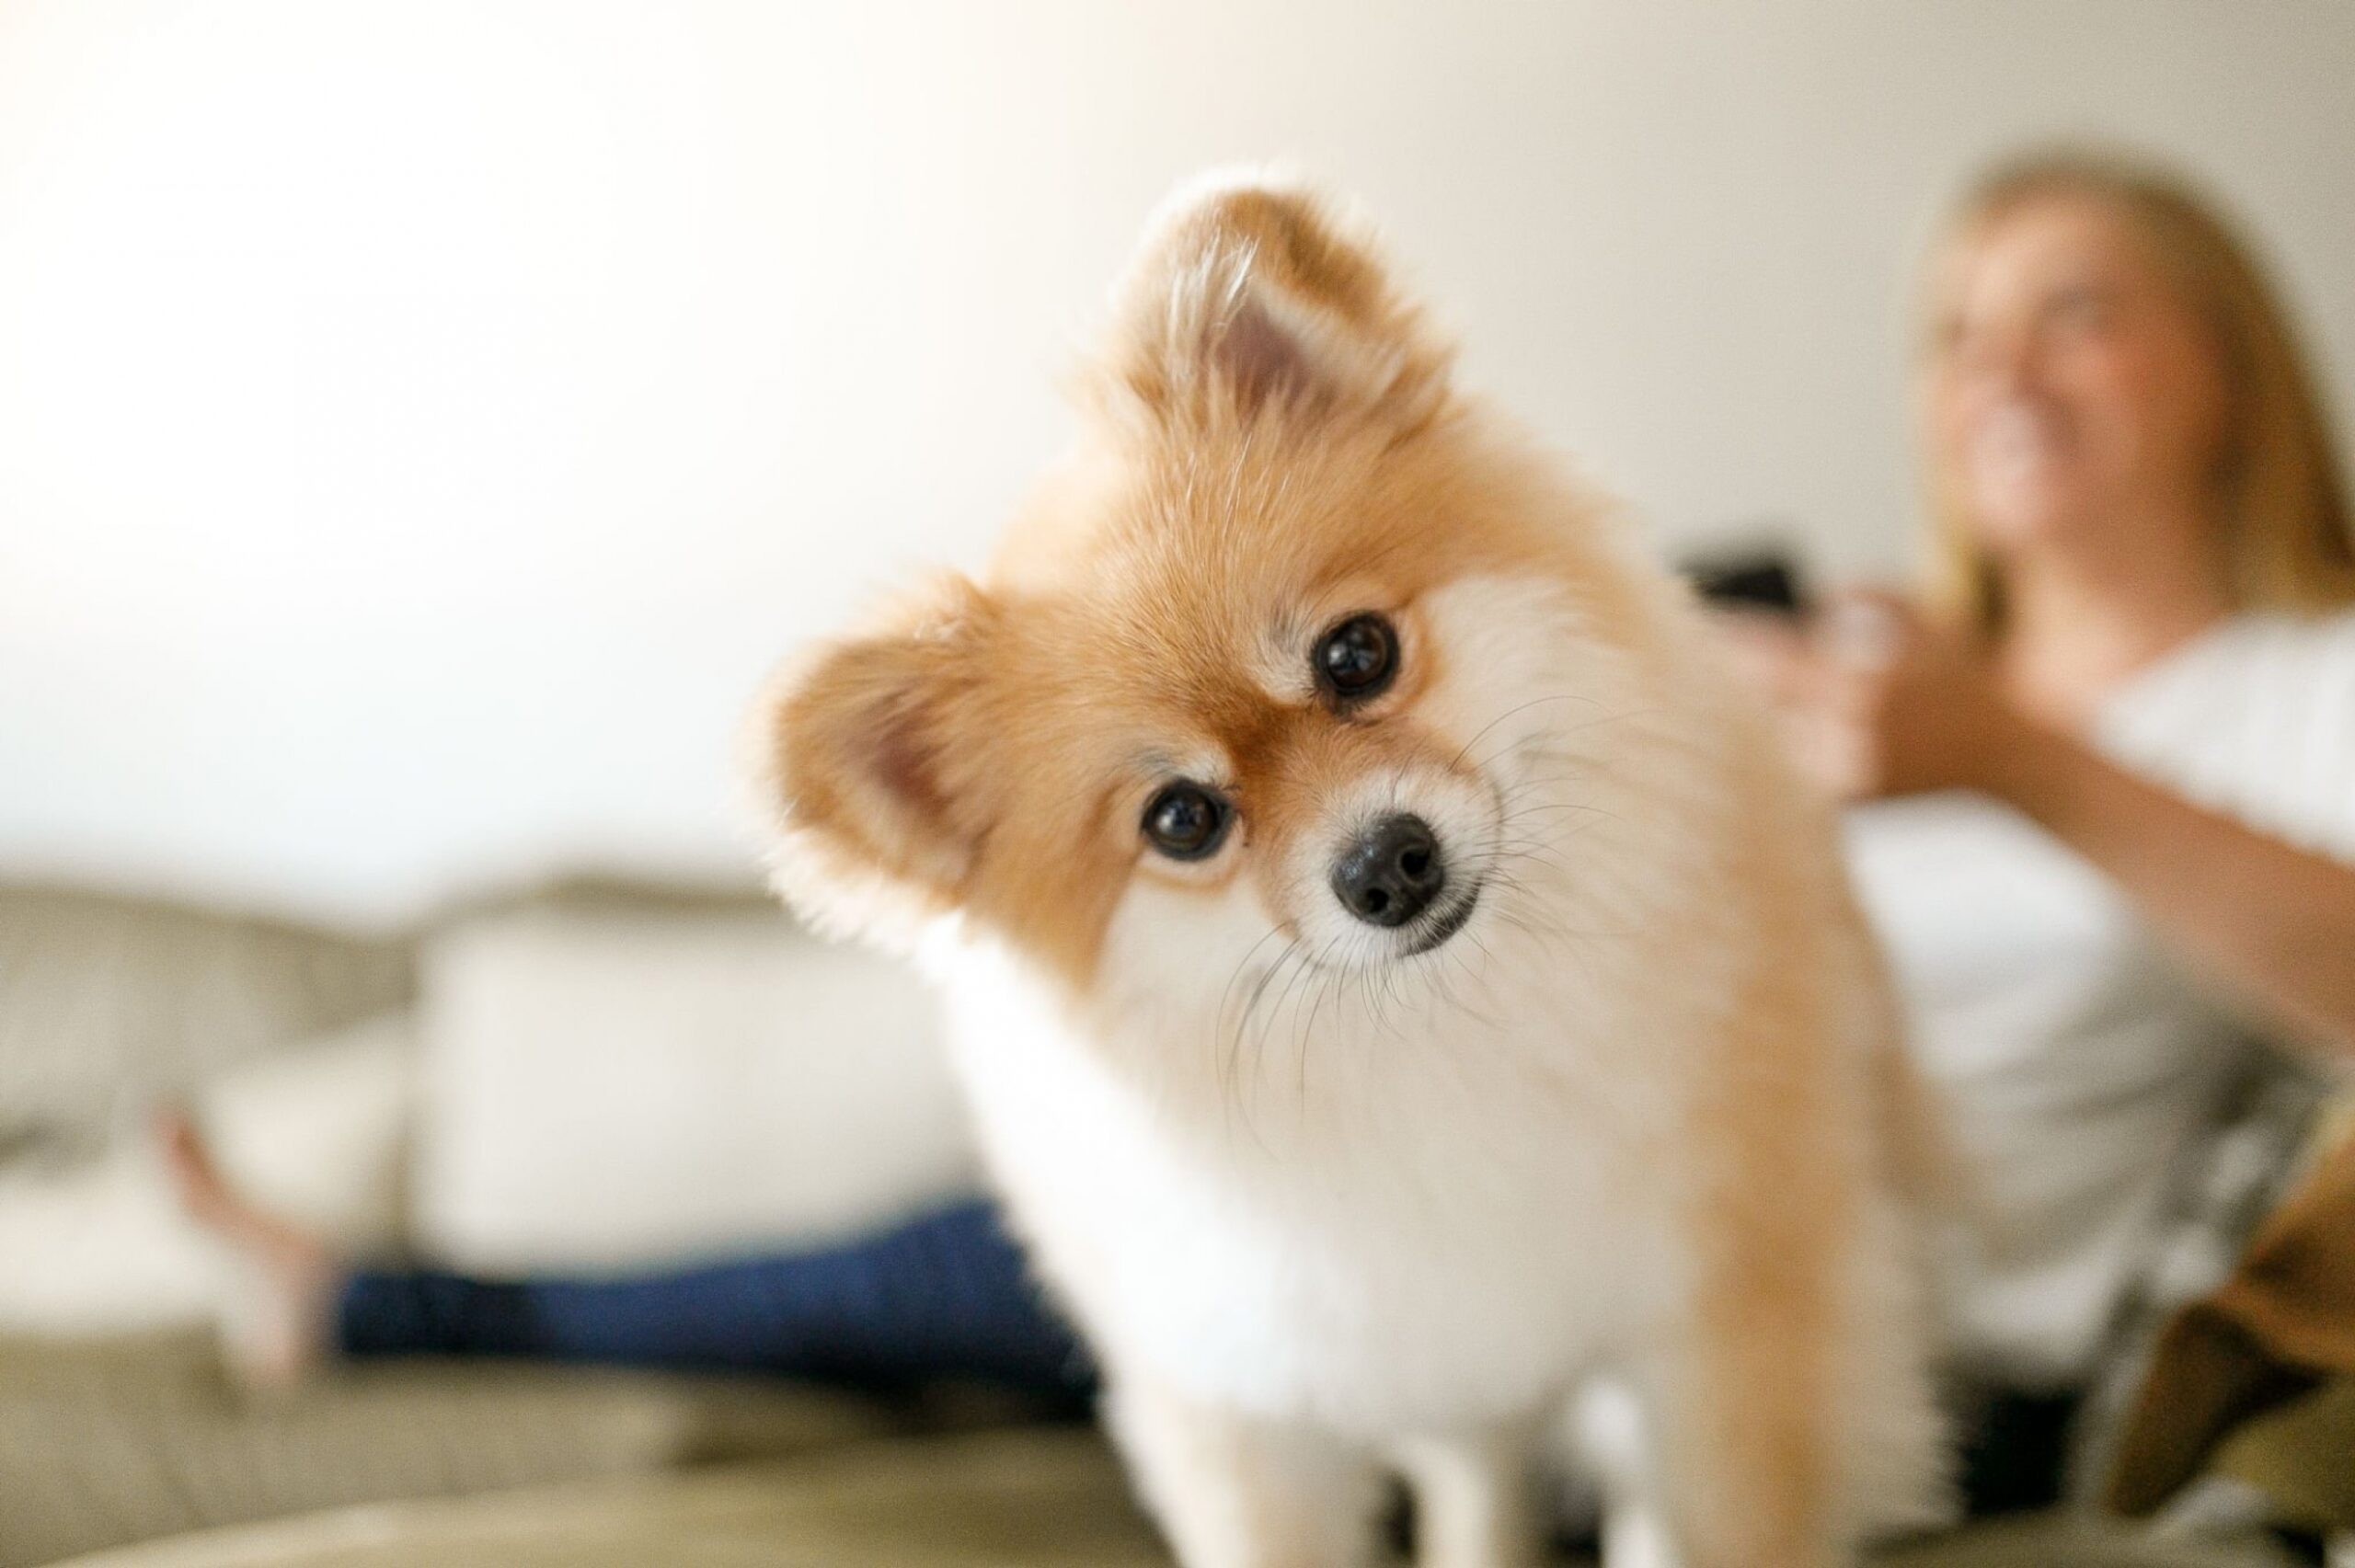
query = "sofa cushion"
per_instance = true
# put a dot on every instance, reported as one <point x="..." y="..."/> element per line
<point x="111" y="1003"/>
<point x="130" y="1439"/>
<point x="1047" y="1498"/>
<point x="1013" y="1499"/>
<point x="615" y="1082"/>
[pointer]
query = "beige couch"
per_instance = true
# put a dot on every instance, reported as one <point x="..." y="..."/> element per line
<point x="1022" y="1499"/>
<point x="116" y="1422"/>
<point x="138" y="1438"/>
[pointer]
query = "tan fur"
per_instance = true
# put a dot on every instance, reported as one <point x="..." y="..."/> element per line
<point x="1273" y="444"/>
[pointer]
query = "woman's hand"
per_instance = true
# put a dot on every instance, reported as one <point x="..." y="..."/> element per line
<point x="1874" y="701"/>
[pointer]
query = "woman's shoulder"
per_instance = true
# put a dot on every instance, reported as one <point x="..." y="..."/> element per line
<point x="2295" y="678"/>
<point x="2318" y="643"/>
<point x="2269" y="662"/>
<point x="2257" y="719"/>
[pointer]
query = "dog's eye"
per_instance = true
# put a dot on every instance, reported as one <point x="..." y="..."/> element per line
<point x="1186" y="821"/>
<point x="1357" y="658"/>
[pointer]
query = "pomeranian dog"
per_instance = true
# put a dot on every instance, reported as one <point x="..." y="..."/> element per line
<point x="1396" y="980"/>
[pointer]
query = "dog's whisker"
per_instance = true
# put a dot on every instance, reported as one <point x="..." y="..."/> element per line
<point x="1259" y="1045"/>
<point x="1241" y="964"/>
<point x="1309" y="1033"/>
<point x="1508" y="713"/>
<point x="1232" y="1090"/>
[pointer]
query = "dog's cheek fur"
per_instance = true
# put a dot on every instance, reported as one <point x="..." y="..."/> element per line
<point x="1056" y="867"/>
<point x="1169" y="947"/>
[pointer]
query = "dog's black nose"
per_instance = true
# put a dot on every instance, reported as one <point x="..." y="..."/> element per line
<point x="1392" y="873"/>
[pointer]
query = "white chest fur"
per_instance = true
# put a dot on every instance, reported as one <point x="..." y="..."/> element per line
<point x="1434" y="1232"/>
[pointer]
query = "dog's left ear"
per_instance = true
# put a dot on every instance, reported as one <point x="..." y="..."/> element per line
<point x="879" y="762"/>
<point x="1251" y="297"/>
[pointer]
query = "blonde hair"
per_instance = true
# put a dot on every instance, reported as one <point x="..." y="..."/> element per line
<point x="2282" y="504"/>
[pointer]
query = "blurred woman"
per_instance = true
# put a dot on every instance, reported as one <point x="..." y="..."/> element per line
<point x="2111" y="750"/>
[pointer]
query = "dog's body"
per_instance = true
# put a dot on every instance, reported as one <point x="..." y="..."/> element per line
<point x="1394" y="978"/>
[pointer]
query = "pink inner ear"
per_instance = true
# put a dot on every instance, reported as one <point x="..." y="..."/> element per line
<point x="1261" y="360"/>
<point x="903" y="764"/>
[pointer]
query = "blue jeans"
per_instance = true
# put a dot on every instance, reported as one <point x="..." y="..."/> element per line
<point x="944" y="1296"/>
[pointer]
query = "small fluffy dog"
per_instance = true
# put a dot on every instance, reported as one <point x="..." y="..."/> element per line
<point x="1397" y="981"/>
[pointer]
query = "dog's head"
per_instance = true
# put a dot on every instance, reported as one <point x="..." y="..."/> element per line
<point x="1286" y="662"/>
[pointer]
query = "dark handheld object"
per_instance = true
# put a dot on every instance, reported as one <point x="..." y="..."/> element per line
<point x="1764" y="581"/>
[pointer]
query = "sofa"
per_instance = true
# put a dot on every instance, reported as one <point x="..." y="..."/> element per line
<point x="369" y="1082"/>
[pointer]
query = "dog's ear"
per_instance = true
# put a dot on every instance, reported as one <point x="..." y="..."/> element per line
<point x="874" y="758"/>
<point x="1251" y="294"/>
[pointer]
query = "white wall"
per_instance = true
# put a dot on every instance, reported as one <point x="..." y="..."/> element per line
<point x="420" y="424"/>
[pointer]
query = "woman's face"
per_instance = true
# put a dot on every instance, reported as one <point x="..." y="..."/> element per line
<point x="2075" y="399"/>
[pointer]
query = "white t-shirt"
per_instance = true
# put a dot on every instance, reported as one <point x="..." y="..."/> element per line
<point x="2078" y="1058"/>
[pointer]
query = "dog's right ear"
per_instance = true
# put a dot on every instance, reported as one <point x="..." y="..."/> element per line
<point x="1252" y="296"/>
<point x="874" y="759"/>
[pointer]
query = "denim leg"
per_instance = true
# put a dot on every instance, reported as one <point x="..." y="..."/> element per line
<point x="946" y="1295"/>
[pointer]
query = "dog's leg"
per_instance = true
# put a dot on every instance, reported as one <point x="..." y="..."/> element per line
<point x="1743" y="1465"/>
<point x="1476" y="1503"/>
<point x="1779" y="1383"/>
<point x="1634" y="1535"/>
<point x="1789" y="1416"/>
<point x="1234" y="1491"/>
<point x="1609" y="1434"/>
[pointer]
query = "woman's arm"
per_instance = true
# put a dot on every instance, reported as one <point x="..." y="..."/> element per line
<point x="1917" y="712"/>
<point x="2274" y="923"/>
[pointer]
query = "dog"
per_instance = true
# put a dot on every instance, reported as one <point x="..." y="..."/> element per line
<point x="1399" y="984"/>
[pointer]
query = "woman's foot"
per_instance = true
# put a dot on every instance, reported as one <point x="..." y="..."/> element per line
<point x="277" y="1331"/>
